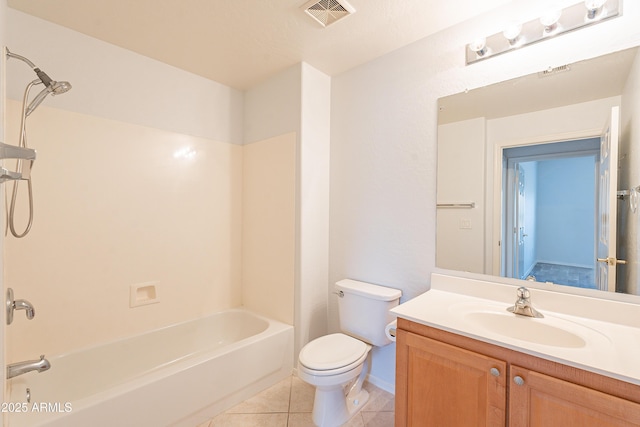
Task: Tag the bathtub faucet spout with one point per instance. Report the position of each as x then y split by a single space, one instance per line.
20 368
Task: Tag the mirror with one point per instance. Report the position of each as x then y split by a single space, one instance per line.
524 187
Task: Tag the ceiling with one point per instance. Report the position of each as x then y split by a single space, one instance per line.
242 42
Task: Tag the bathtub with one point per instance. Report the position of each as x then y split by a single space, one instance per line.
180 375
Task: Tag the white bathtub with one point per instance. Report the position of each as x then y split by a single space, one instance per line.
176 376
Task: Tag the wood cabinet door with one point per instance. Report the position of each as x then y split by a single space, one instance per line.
538 400
442 385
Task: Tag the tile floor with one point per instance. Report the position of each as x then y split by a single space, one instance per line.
564 275
289 404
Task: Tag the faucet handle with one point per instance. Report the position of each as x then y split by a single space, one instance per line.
12 304
9 306
523 293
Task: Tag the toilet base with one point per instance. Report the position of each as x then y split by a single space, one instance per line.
331 408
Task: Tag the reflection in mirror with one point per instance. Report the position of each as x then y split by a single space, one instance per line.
538 176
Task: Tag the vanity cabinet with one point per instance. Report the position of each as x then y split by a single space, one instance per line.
445 379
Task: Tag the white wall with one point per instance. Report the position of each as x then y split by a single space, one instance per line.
383 143
117 84
566 211
461 147
313 207
272 108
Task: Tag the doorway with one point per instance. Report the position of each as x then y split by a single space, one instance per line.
550 210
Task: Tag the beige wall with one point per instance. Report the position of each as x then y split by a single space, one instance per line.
268 217
114 208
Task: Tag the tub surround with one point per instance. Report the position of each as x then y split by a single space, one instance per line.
609 329
105 221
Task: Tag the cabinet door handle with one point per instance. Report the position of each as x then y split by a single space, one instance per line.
495 372
518 380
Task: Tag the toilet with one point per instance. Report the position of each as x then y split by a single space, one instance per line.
337 364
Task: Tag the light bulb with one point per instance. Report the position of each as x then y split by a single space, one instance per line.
550 20
512 33
594 7
479 46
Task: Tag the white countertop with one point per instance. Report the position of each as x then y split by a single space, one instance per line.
609 342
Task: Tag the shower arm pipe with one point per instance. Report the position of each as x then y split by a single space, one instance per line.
41 74
21 58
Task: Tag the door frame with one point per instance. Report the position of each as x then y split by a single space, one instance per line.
499 234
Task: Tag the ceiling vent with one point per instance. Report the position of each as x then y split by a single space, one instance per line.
326 12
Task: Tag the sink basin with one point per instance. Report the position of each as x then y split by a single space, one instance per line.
539 331
553 331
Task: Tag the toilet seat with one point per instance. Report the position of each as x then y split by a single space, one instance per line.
333 354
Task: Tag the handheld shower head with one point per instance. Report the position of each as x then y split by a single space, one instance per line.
56 88
51 86
60 87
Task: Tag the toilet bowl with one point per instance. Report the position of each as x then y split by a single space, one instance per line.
332 363
337 364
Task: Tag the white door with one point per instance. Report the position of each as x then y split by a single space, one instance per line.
514 214
519 223
607 204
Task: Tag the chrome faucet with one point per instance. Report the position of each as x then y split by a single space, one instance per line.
523 305
20 368
20 304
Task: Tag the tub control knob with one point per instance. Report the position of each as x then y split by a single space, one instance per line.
12 304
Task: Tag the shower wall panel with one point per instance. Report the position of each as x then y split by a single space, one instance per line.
117 205
269 226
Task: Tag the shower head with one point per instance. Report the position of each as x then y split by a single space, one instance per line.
51 86
60 87
56 88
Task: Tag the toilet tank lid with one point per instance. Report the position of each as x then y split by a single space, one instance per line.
377 292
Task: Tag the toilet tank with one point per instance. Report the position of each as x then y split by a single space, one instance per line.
363 309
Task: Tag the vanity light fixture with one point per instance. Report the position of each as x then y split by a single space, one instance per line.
512 33
549 25
550 21
594 8
479 46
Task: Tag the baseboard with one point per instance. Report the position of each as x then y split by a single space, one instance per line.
384 385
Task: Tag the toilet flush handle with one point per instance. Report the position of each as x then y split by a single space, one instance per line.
340 294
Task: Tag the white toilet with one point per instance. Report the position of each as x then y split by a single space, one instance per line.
337 364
